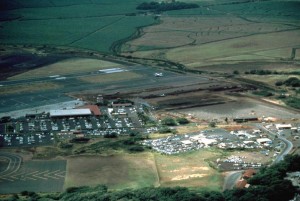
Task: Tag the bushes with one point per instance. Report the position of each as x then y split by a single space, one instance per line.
111 135
293 102
159 7
168 122
279 83
136 148
263 93
292 81
182 121
165 130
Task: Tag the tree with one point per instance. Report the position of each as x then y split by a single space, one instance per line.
165 129
212 124
182 120
168 121
279 83
236 72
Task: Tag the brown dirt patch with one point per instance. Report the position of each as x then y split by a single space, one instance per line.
189 169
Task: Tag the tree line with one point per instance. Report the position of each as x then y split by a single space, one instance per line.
160 7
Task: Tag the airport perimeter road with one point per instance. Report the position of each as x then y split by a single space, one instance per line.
231 179
287 148
14 164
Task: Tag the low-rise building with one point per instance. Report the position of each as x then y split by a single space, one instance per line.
283 126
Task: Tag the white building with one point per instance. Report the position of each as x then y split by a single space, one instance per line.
71 112
283 126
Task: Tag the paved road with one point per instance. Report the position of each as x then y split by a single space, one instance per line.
231 179
37 176
14 164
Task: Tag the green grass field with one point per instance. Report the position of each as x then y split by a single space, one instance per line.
115 171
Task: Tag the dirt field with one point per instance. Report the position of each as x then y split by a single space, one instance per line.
70 66
103 78
241 108
189 169
117 171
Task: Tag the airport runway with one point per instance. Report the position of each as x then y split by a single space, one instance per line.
71 84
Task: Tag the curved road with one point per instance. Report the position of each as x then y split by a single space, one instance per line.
288 145
231 179
13 166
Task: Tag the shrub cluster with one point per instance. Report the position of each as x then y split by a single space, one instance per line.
159 7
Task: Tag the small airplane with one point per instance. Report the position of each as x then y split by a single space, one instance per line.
158 74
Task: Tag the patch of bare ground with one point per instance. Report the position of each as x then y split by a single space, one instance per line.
189 169
242 107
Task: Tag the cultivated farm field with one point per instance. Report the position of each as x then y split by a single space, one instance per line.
222 33
94 25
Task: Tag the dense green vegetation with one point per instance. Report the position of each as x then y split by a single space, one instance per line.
263 93
162 6
168 121
182 121
269 72
112 142
269 183
293 102
292 81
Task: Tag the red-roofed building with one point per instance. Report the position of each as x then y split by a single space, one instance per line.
241 183
94 109
249 173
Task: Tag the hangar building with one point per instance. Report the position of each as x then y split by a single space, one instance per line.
70 113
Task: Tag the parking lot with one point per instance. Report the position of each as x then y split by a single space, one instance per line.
41 129
243 139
